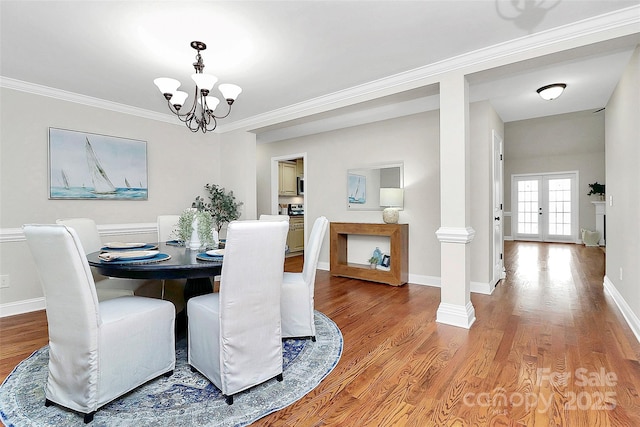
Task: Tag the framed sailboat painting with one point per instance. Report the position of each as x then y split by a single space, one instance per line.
96 167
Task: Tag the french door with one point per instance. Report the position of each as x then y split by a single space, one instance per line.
545 207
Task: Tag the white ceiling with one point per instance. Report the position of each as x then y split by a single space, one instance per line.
288 54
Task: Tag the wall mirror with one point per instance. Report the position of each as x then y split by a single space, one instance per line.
363 185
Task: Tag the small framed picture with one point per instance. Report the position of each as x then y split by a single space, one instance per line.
386 260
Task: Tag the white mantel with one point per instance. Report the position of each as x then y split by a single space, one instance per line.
600 213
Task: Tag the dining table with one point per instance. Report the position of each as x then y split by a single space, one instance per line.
172 262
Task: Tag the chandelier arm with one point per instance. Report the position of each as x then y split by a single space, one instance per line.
228 112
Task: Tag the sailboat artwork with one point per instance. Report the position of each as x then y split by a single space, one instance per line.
87 166
357 188
101 182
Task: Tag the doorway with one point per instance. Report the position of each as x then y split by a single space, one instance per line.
545 207
498 210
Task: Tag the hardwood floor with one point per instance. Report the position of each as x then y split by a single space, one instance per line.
549 348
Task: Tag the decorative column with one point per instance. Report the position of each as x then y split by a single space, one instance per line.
600 214
454 233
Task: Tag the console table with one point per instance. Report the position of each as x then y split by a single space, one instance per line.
399 243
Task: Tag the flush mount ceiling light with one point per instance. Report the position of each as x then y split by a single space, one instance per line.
200 116
552 91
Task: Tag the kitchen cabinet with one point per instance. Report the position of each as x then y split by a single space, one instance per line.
295 238
300 167
287 179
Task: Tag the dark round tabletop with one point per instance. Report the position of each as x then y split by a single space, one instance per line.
183 264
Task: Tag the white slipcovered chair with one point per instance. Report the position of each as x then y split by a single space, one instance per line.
297 300
266 217
98 351
166 225
234 335
107 287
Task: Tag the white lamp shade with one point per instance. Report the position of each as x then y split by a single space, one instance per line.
167 85
179 97
230 91
204 81
392 197
551 91
211 101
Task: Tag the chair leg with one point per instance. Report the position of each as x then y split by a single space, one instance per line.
229 400
313 338
89 417
47 403
279 378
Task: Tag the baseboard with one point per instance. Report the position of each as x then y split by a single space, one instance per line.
21 307
456 315
627 313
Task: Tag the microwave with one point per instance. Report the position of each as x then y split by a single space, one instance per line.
300 186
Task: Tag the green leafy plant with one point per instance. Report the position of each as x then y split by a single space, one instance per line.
184 229
596 188
222 205
373 260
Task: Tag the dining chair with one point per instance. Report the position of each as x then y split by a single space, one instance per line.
166 225
297 300
266 217
98 351
234 335
107 287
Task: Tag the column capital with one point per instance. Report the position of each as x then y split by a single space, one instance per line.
455 234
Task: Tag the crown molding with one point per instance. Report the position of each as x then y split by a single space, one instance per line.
600 28
89 101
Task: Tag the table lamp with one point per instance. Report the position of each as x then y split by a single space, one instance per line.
391 199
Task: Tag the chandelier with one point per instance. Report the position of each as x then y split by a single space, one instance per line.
200 116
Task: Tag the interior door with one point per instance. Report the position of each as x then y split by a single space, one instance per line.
498 197
546 207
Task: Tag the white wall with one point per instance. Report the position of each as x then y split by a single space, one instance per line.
180 163
565 142
623 177
412 139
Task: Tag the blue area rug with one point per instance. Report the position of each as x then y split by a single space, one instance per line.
184 399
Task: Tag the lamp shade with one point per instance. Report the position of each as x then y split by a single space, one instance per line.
552 91
204 81
392 197
230 91
167 85
179 97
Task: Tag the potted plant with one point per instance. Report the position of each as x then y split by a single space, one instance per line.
195 228
222 205
596 188
373 262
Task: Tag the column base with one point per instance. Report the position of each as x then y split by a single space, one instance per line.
456 315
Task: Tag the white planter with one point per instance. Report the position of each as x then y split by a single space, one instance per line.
194 242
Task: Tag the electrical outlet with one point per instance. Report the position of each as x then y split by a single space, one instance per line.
610 200
4 281
620 273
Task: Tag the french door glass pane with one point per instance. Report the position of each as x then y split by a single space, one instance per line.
528 207
559 207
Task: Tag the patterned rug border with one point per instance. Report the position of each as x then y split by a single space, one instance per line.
185 398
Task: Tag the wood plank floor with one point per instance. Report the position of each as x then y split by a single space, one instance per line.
549 348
